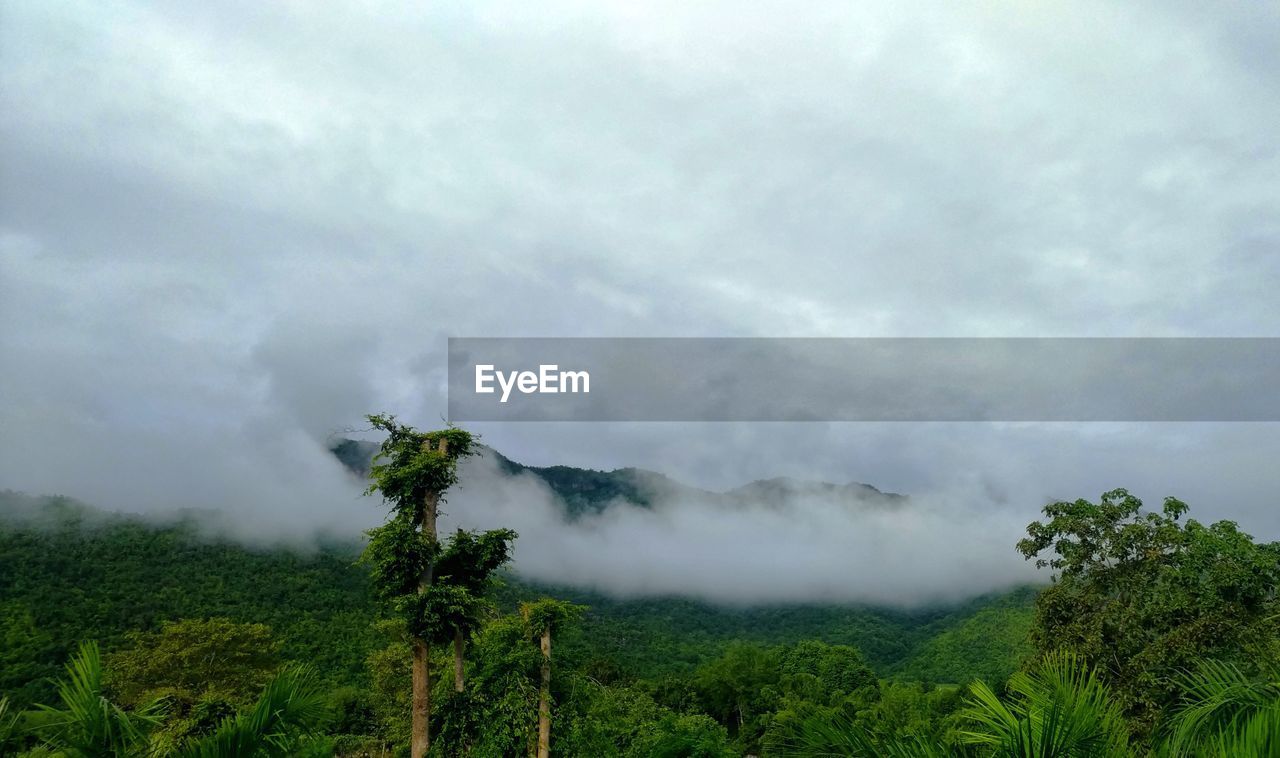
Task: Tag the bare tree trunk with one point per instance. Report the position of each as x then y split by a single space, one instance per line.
544 698
420 741
429 508
458 643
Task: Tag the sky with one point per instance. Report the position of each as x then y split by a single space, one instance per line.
228 231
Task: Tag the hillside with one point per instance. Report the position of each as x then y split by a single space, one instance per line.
70 572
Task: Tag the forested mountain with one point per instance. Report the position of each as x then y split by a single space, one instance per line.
587 491
1159 635
70 572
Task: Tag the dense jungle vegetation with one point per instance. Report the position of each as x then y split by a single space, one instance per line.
123 636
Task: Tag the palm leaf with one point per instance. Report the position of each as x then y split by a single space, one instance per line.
1062 710
289 708
834 735
87 724
1225 712
8 727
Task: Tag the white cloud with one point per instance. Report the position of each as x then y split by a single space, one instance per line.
228 230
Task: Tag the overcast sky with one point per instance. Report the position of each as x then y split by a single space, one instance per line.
229 230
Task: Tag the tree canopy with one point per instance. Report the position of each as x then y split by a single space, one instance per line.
1145 596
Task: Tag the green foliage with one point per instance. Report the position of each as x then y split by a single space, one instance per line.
549 614
832 704
463 577
462 574
1225 712
85 723
410 464
608 720
398 555
81 574
683 735
75 574
833 669
1061 709
191 658
9 727
280 724
438 591
390 683
987 644
651 638
592 719
827 734
1143 596
740 688
651 677
903 711
470 558
28 654
499 716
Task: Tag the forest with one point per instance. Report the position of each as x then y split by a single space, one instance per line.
125 636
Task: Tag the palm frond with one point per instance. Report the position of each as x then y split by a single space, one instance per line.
1062 709
8 726
87 723
1257 737
1221 706
834 735
289 708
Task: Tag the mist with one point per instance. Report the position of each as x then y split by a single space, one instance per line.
220 246
800 550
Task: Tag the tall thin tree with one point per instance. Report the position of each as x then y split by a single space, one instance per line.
543 617
412 471
463 575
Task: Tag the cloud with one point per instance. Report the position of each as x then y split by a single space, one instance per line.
802 548
228 230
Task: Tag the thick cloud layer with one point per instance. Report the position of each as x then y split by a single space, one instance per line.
800 549
227 231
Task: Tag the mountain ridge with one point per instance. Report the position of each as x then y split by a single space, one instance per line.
586 491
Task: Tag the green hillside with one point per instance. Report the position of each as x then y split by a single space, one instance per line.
112 574
976 645
204 624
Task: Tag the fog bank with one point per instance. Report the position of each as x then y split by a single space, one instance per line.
804 548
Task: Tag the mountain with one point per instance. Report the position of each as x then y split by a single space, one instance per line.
355 455
781 490
588 491
69 572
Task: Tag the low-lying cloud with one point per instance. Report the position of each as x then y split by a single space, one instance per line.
227 232
740 550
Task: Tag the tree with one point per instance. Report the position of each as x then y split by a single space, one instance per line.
739 687
464 570
502 693
191 658
836 669
28 656
543 617
412 471
1143 596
